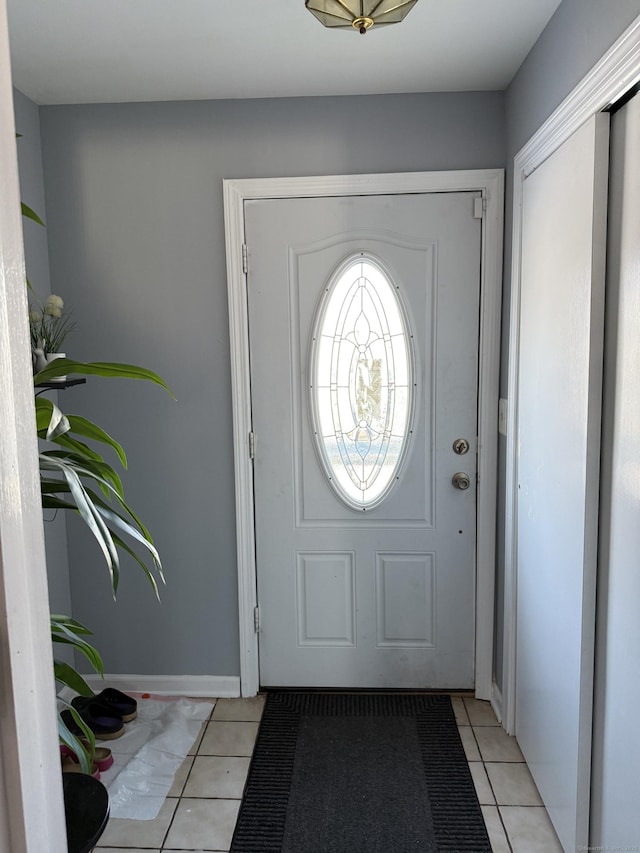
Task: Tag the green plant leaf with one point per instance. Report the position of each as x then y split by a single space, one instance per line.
48 461
78 447
50 422
31 214
121 544
97 469
77 627
52 487
66 674
87 429
147 542
63 633
85 748
133 515
116 518
130 530
62 366
49 502
89 514
90 507
85 757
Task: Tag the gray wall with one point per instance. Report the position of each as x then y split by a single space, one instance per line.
136 232
574 40
37 262
134 208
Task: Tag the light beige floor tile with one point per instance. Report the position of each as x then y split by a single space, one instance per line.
228 738
460 711
181 777
128 849
483 788
139 833
529 830
197 820
247 710
497 837
469 743
198 740
480 712
496 745
513 785
218 776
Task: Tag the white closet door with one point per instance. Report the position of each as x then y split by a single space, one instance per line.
560 388
615 814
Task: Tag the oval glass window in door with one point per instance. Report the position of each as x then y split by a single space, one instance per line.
361 382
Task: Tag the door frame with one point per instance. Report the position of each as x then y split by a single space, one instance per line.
616 72
32 814
490 183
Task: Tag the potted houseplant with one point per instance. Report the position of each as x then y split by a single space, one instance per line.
49 325
75 476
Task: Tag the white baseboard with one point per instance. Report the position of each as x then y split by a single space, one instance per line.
496 700
198 686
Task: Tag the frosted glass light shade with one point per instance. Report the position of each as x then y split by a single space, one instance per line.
360 15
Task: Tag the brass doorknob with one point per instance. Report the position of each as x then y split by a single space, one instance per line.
461 480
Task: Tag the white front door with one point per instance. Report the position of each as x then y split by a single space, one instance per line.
363 328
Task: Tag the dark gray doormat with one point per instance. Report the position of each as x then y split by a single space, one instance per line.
359 773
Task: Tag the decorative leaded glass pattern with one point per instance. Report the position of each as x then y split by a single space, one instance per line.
361 382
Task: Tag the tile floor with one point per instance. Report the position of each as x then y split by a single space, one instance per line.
516 820
200 811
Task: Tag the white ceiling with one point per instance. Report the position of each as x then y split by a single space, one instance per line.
97 51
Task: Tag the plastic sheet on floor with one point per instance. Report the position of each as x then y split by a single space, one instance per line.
149 753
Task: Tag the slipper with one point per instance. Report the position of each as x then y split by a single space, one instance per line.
119 702
105 724
102 757
71 766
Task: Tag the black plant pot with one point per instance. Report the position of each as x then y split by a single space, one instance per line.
86 806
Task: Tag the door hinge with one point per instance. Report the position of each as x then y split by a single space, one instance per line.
479 207
252 445
245 259
256 619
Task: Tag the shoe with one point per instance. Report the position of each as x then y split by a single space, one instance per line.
72 765
104 723
119 702
102 757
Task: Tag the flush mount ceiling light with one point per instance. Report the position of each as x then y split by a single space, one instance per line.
359 15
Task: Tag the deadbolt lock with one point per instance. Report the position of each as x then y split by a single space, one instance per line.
460 446
461 480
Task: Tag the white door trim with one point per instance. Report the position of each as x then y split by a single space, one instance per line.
612 76
31 800
490 182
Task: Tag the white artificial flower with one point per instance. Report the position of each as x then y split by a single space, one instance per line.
54 301
53 306
35 316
